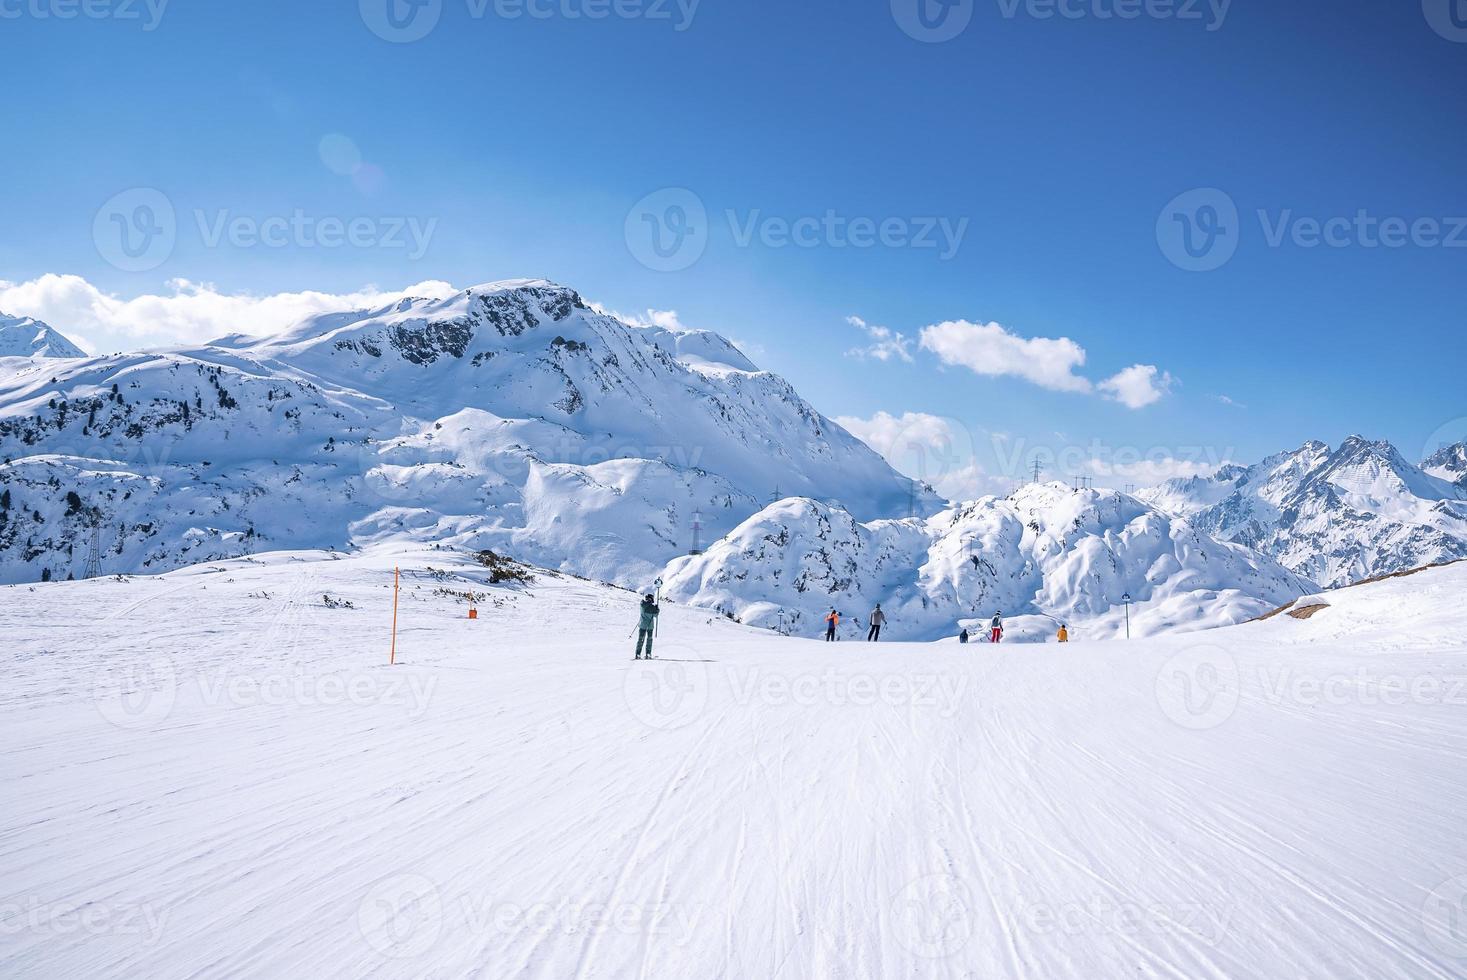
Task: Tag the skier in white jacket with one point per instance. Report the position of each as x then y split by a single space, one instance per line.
878 619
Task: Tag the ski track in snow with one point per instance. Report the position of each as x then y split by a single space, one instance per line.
1049 820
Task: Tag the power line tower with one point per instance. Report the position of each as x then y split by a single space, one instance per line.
1036 469
697 528
93 567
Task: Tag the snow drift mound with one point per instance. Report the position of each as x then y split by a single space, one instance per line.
1420 609
1045 555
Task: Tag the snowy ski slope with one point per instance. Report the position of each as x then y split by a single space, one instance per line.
518 799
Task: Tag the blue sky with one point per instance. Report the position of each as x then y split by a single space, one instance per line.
522 146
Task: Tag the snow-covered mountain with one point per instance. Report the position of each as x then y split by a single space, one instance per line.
1333 515
23 336
1044 555
509 416
1448 463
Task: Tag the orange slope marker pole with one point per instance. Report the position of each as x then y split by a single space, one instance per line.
392 657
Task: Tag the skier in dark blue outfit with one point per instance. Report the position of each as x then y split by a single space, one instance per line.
646 625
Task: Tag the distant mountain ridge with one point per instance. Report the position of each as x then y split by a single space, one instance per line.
23 336
1043 556
509 416
1332 515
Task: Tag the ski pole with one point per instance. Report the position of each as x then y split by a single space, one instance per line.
657 600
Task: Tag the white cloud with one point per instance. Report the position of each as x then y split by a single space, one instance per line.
890 435
990 350
1224 399
970 482
1150 470
190 313
931 448
886 343
1049 362
666 319
1138 385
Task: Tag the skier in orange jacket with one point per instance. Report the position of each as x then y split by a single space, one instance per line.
831 622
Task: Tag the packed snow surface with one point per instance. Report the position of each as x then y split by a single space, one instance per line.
215 772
